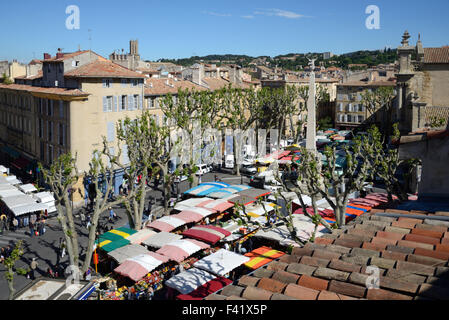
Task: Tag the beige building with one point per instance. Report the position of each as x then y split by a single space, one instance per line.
81 98
350 112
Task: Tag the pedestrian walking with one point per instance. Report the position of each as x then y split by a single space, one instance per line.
82 217
111 215
31 230
88 221
62 246
15 224
33 266
200 179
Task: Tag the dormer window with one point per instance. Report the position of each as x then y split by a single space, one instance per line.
107 83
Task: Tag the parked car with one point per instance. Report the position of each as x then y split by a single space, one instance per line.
203 169
248 169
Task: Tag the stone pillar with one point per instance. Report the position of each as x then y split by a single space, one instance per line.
311 112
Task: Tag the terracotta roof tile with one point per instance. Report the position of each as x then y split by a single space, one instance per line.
277 266
374 246
383 262
232 291
43 90
421 239
364 252
327 295
215 296
324 241
436 55
390 235
429 227
393 255
325 254
248 281
403 224
285 277
414 244
344 266
348 243
384 242
299 252
348 289
401 249
380 294
415 268
428 233
437 253
398 230
314 262
102 69
297 268
263 273
301 293
271 285
426 260
313 282
442 247
434 292
279 296
234 298
289 259
157 87
331 274
253 293
338 249
405 276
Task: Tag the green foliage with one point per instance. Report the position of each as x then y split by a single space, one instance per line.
436 122
6 79
325 124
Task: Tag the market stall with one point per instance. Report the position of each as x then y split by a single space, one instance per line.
198 210
141 235
206 233
167 223
126 252
139 266
221 262
206 289
261 257
190 216
218 205
181 249
254 193
189 280
203 189
115 239
161 239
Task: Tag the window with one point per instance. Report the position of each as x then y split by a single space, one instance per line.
107 83
134 82
61 109
361 119
124 83
110 131
107 104
123 102
50 108
136 102
340 107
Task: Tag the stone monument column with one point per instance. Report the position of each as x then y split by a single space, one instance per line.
311 111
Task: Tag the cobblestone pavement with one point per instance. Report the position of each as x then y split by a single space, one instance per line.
45 248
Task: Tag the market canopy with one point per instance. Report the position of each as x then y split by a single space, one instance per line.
167 223
10 193
180 250
3 169
189 280
202 190
18 200
141 235
209 234
190 216
218 205
192 202
206 289
139 266
108 245
254 193
242 200
201 211
222 194
161 239
27 188
221 262
44 197
28 208
115 239
127 252
261 257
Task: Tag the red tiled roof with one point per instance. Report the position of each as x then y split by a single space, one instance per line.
219 83
411 254
368 84
102 69
160 87
423 136
436 55
71 55
56 91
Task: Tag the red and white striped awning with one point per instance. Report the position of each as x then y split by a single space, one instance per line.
180 250
167 223
209 234
137 267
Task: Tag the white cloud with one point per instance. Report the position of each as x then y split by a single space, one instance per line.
248 17
211 13
280 13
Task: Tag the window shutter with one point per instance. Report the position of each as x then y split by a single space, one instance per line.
111 82
125 154
104 83
141 102
119 103
110 131
115 104
105 104
130 102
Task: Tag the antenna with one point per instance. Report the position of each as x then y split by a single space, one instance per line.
90 41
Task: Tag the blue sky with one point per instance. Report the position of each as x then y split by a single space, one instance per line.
182 28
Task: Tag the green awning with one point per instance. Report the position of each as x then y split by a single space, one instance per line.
111 246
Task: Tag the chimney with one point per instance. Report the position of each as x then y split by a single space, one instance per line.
47 56
59 55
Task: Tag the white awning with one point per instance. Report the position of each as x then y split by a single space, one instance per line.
19 200
3 169
189 280
27 188
10 193
221 262
28 208
44 197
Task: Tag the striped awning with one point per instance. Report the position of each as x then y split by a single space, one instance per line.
167 223
180 250
209 234
261 257
137 267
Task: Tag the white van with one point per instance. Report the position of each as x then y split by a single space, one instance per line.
202 169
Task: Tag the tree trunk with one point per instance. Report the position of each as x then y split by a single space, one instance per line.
12 291
235 148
